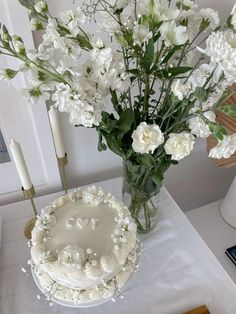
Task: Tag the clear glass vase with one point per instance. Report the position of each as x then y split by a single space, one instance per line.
141 195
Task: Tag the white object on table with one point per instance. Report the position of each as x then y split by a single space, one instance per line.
228 206
217 233
0 230
177 270
20 164
56 132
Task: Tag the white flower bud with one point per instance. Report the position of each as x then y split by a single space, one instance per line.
41 6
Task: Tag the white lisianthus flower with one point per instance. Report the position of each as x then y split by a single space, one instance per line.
199 127
7 74
141 34
73 20
18 44
224 148
189 4
41 6
179 89
221 48
83 104
36 24
159 9
33 94
211 16
179 145
52 37
146 138
172 34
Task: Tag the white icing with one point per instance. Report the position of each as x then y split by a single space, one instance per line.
93 272
70 222
108 263
88 238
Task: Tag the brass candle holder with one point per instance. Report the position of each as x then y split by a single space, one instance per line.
62 162
29 194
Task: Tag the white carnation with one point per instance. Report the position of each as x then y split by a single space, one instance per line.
179 145
199 127
224 148
146 138
221 48
180 89
211 16
172 34
141 34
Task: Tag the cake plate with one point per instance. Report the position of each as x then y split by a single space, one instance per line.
69 303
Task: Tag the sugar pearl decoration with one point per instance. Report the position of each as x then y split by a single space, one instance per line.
89 251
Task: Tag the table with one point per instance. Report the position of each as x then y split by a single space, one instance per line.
216 232
177 270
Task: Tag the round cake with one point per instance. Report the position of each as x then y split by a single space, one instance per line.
84 246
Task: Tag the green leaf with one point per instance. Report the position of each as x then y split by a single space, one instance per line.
115 101
170 72
10 73
135 72
170 53
147 60
83 42
229 110
200 94
157 178
101 145
218 131
113 146
146 160
179 70
126 120
28 4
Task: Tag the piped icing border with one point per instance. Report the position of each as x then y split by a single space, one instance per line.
108 289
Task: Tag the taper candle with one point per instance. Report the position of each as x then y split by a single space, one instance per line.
20 164
56 132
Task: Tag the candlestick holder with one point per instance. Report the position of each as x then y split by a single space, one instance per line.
29 194
62 162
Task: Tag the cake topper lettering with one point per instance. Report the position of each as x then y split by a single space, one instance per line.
82 222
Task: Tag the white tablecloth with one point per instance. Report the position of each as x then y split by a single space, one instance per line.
177 270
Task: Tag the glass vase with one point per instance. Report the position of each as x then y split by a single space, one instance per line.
141 194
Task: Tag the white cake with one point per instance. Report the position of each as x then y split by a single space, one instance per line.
84 246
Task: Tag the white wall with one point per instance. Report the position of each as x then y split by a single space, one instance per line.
195 181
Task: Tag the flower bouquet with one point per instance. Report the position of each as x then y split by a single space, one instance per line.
165 67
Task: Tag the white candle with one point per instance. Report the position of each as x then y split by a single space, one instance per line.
56 132
20 164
